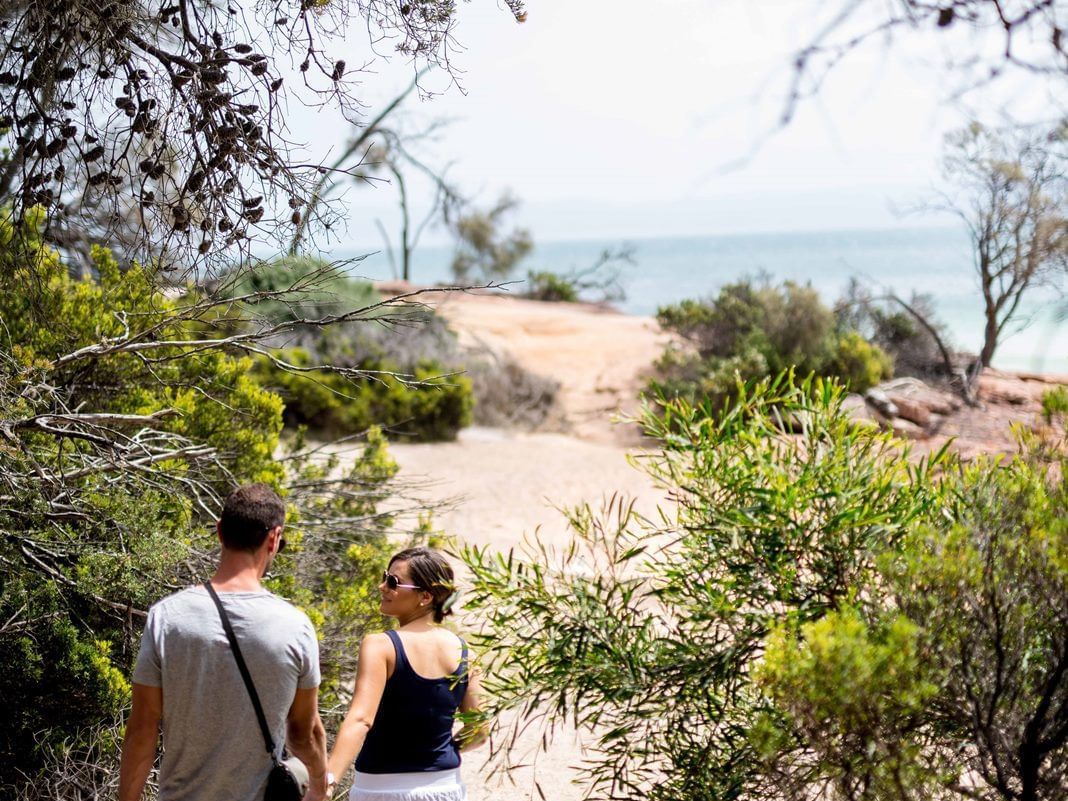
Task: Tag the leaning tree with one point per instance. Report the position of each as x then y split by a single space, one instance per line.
1010 188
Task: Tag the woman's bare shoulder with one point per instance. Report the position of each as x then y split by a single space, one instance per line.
377 642
449 636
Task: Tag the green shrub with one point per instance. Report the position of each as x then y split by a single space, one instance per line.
752 330
986 582
130 536
913 347
550 286
811 615
858 363
428 405
597 283
706 382
342 600
797 327
413 344
1055 403
104 514
313 288
852 692
715 328
655 652
116 538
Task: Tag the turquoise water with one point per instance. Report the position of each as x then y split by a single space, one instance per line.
934 261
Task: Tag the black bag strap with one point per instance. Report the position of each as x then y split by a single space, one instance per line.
243 668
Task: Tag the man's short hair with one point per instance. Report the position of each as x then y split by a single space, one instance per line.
248 515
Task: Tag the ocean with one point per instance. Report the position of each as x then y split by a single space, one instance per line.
933 261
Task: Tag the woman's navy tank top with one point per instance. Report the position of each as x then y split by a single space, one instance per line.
412 731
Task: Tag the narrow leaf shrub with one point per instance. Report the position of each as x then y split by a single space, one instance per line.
647 632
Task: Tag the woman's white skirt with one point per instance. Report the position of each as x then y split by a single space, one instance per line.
438 785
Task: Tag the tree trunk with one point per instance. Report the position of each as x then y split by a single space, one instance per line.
990 337
1030 761
327 176
405 238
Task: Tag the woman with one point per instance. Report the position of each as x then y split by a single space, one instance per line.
410 682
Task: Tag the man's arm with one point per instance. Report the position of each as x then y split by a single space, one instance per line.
306 740
475 730
139 744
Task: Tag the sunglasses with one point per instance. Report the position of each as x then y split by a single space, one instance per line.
393 582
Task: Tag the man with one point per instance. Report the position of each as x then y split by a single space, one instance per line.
187 679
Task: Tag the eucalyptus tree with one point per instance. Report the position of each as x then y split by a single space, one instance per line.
483 249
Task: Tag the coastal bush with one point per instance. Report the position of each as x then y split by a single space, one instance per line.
408 359
67 577
858 363
302 287
648 629
854 693
508 395
986 583
550 286
448 386
502 391
341 541
1055 403
814 616
915 347
122 429
597 283
978 597
443 386
752 330
427 404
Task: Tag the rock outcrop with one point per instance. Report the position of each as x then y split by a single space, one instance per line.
930 416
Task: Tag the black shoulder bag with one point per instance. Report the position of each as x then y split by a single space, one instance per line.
288 779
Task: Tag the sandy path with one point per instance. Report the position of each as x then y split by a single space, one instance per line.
494 487
504 486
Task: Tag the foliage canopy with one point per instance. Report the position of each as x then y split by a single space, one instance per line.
160 128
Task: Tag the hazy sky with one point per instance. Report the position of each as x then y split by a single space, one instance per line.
632 119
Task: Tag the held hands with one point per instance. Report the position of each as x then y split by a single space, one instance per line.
320 788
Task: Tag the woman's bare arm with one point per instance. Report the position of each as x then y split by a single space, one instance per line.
372 670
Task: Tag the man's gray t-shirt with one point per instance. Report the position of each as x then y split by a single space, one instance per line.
213 749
